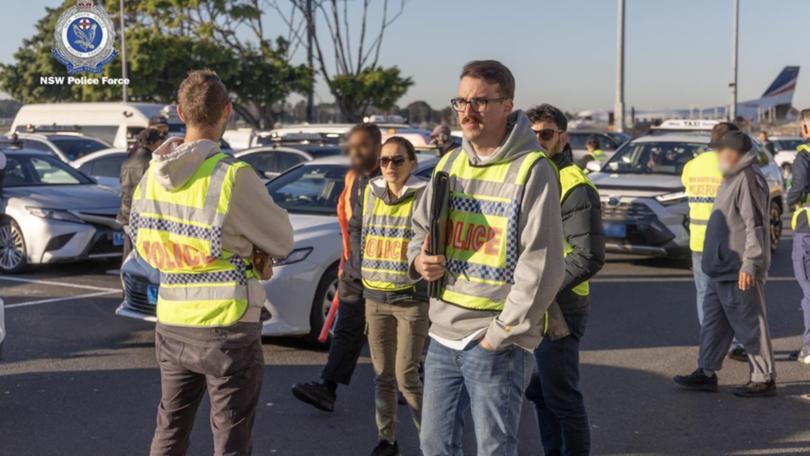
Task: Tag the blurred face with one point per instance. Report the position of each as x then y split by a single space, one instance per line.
728 158
363 152
805 129
487 124
550 137
395 165
762 136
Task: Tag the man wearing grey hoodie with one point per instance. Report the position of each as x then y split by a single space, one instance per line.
736 257
500 270
208 224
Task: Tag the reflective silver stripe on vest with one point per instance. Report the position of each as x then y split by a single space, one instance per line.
202 293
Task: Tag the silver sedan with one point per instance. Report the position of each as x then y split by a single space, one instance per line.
49 213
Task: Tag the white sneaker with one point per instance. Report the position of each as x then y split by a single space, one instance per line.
804 356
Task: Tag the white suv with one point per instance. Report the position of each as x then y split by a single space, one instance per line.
644 206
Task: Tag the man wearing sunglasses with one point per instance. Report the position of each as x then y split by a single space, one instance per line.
500 269
363 145
564 427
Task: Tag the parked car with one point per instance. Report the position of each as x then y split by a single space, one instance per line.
644 204
65 145
304 283
785 148
54 213
577 140
271 161
104 166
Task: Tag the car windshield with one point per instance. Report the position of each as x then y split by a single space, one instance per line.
318 150
75 148
653 157
309 189
23 170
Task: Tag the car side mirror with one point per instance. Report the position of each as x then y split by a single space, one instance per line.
593 166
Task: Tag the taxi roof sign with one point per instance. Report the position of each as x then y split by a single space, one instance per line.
688 124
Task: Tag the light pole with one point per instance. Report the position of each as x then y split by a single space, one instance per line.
732 113
618 108
123 54
311 93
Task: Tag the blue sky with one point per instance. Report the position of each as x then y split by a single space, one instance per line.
678 53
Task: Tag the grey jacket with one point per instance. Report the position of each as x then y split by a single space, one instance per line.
540 267
737 234
132 170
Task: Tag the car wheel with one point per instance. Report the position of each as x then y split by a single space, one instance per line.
321 303
787 174
775 216
12 247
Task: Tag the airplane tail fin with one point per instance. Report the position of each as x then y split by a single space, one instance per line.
785 83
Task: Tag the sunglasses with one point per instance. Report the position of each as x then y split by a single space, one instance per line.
547 133
396 161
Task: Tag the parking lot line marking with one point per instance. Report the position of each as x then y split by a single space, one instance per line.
630 279
65 298
57 284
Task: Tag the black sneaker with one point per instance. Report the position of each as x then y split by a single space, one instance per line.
316 394
697 381
756 389
738 354
386 448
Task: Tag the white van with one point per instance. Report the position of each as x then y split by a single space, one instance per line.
115 123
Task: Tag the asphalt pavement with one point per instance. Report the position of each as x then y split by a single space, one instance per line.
77 380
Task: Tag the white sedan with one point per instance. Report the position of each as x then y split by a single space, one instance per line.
104 166
304 283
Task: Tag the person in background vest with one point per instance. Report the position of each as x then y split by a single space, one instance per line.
561 414
798 197
208 334
701 177
737 257
132 171
363 143
592 145
762 136
396 308
500 271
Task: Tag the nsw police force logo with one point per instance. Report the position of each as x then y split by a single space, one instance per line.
84 38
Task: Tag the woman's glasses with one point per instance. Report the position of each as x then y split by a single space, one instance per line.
396 161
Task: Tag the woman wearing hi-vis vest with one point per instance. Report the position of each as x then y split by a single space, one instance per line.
396 307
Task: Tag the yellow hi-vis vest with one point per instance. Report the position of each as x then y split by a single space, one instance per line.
571 177
179 233
805 207
702 177
599 155
387 229
482 229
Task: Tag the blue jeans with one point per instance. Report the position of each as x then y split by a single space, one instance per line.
561 414
801 270
490 384
701 282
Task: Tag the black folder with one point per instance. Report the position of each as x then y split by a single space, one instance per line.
438 224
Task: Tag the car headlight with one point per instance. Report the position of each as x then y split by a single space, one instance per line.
672 198
294 257
54 214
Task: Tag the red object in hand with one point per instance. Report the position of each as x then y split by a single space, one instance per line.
330 320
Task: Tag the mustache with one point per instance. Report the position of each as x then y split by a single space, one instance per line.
470 119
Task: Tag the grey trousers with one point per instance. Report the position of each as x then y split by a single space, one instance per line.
730 312
233 378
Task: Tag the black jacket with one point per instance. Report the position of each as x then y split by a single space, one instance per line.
582 225
132 170
800 187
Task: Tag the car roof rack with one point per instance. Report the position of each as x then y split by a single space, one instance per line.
52 128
